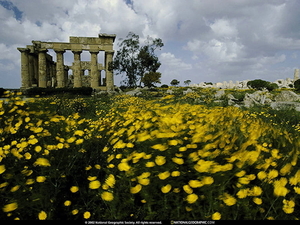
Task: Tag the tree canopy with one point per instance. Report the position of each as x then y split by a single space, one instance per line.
135 60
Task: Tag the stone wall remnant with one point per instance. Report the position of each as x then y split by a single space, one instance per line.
39 70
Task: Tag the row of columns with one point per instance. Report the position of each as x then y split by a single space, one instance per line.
61 79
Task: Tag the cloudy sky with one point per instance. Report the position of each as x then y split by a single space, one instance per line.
204 40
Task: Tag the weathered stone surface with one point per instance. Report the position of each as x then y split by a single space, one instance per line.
257 98
219 94
134 92
38 68
285 105
169 91
287 96
188 91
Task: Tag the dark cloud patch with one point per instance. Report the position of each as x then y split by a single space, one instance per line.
10 6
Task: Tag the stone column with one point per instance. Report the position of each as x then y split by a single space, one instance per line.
94 70
296 74
109 72
77 69
66 75
24 67
60 72
31 68
42 68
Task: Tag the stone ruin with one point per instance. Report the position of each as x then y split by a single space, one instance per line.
39 70
282 83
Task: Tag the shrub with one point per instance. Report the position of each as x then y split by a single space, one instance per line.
297 85
259 84
164 86
2 90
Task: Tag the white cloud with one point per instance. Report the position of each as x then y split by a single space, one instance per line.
215 39
168 59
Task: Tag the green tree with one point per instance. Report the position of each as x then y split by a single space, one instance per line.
135 60
187 82
174 82
151 78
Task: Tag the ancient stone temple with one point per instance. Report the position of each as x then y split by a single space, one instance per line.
39 70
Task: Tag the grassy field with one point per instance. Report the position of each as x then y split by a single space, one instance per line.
154 157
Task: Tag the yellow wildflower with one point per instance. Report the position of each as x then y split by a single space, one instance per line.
257 201
3 184
107 196
179 161
79 141
173 142
60 145
40 179
243 193
195 183
286 169
175 174
255 191
95 184
123 166
110 181
10 207
97 166
74 189
120 144
42 215
2 169
229 200
241 173
272 174
207 180
15 188
288 206
160 147
38 148
280 190
67 203
160 160
27 155
164 175
136 189
261 175
144 181
75 211
192 198
42 162
165 189
71 140
91 178
129 145
187 189
86 215
216 216
150 164
297 190
79 132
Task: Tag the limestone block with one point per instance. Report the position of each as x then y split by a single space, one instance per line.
285 106
296 74
287 96
169 91
134 92
219 94
257 98
188 91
